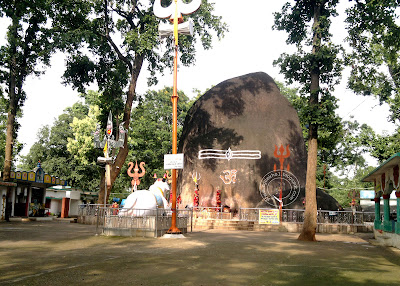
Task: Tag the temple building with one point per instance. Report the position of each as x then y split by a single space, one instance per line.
28 190
386 181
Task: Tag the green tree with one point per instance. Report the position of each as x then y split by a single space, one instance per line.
341 146
29 47
66 148
317 71
150 130
341 186
350 164
111 44
57 149
330 133
381 147
374 37
80 143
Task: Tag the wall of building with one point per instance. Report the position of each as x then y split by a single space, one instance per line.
56 197
3 193
55 206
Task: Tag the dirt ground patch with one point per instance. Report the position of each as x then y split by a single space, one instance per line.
59 253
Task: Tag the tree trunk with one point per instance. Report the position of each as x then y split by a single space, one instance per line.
100 198
310 214
12 112
10 131
12 108
123 152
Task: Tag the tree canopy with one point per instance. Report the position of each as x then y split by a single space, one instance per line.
373 35
111 41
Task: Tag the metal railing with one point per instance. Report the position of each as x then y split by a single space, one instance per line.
90 209
91 213
211 213
137 222
323 216
158 221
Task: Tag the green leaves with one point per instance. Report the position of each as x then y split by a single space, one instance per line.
317 70
29 46
374 59
66 148
126 32
150 135
328 60
80 144
80 70
295 20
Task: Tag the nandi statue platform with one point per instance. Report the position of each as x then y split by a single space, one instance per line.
146 202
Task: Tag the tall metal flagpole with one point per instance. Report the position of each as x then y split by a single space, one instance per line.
173 12
174 229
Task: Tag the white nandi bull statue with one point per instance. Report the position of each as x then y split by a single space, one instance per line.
141 203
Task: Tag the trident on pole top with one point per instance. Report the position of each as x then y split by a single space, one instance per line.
177 8
174 13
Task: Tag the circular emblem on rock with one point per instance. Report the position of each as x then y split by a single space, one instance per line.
275 181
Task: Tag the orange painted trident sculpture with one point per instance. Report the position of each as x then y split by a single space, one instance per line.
135 175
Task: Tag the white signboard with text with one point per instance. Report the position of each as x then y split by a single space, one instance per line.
270 216
173 161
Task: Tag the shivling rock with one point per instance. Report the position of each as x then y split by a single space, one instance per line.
242 137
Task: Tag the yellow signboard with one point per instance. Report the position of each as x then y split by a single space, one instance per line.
31 176
39 177
268 216
47 179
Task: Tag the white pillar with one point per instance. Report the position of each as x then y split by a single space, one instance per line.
13 200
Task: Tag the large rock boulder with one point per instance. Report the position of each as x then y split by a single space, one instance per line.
236 136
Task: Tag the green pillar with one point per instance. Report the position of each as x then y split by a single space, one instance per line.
397 225
377 221
387 224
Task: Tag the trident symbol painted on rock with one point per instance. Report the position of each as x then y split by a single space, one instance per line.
282 156
196 177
